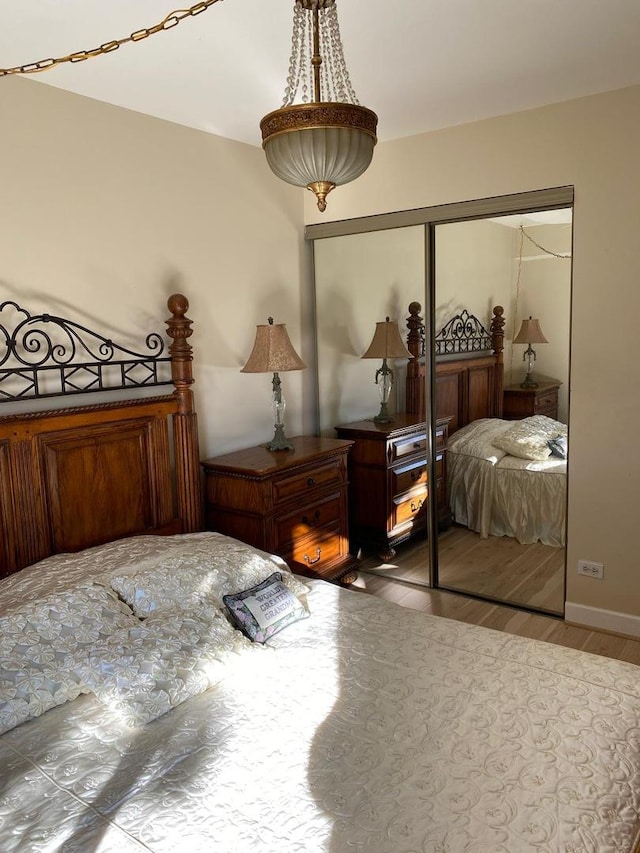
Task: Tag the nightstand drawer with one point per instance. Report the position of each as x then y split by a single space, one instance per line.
546 401
410 507
414 474
321 549
408 446
305 520
408 477
299 485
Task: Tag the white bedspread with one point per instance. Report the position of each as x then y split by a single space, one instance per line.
500 495
366 727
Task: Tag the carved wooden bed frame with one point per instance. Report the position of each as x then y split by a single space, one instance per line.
469 367
76 477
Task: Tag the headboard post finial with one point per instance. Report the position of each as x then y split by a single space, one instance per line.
497 329
415 382
179 330
185 425
497 342
415 324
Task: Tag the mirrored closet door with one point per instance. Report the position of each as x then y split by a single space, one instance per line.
507 475
436 274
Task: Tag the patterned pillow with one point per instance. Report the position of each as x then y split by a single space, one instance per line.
41 643
559 446
264 609
200 575
141 673
529 438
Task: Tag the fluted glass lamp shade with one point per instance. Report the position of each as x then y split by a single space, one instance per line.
386 343
273 352
326 138
530 333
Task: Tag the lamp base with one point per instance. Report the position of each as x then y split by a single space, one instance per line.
529 382
383 416
279 440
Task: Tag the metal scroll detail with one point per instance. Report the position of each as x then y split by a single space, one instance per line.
48 356
464 333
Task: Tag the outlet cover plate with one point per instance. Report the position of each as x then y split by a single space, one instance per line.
590 569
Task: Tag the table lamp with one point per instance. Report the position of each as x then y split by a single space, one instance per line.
386 343
530 333
273 352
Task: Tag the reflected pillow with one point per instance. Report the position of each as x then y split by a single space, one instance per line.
265 609
42 642
529 438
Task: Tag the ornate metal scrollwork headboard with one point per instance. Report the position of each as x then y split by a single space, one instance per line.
47 356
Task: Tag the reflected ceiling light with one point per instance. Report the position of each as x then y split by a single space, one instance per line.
326 139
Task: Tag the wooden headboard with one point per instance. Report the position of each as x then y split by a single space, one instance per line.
469 367
76 477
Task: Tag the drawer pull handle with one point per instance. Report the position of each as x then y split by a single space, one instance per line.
311 481
417 508
311 522
415 475
311 560
417 444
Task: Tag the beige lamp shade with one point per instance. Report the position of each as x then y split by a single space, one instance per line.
387 342
272 351
530 333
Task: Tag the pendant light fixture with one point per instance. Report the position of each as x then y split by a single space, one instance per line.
325 138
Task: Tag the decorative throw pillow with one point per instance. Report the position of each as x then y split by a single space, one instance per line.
41 643
141 673
264 609
529 438
559 446
204 574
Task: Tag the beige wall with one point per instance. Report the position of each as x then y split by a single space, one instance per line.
482 263
544 291
590 143
105 212
360 279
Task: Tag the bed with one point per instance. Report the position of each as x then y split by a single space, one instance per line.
504 478
145 706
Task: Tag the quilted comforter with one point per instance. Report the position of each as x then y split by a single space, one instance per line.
364 727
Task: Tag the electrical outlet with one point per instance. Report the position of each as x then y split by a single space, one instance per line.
590 569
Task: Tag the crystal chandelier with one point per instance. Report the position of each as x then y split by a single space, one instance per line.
321 137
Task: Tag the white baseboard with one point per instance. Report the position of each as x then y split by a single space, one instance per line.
603 620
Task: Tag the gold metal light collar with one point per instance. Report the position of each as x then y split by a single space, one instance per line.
318 115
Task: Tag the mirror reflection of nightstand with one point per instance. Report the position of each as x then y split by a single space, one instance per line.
523 402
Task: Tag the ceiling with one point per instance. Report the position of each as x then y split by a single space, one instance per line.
420 64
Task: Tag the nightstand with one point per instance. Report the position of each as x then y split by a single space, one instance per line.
388 481
523 402
289 502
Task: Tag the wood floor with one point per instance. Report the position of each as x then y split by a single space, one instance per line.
466 609
530 576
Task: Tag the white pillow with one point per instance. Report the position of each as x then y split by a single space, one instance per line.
205 571
41 643
141 673
529 438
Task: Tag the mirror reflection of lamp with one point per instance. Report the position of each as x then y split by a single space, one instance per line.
386 343
530 333
273 352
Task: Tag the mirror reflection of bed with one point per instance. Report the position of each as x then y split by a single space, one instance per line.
506 478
